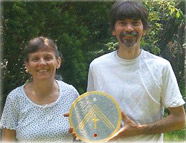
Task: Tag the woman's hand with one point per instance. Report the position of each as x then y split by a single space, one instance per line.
70 130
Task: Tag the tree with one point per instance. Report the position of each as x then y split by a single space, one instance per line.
81 31
66 23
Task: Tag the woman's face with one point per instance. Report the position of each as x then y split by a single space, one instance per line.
42 64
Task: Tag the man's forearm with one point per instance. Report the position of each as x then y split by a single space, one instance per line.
174 121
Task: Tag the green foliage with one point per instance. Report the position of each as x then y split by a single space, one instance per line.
81 31
78 28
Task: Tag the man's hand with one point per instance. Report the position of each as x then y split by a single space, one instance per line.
174 121
129 129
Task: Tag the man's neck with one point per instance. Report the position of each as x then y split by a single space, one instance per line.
128 53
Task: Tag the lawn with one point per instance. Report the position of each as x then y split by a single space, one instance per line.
175 136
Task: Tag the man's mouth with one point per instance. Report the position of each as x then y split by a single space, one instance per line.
129 34
129 38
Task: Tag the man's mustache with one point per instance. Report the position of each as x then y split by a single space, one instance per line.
125 33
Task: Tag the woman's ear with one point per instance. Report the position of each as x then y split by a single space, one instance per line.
58 62
27 67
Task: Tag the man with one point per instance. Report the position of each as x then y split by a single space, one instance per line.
143 84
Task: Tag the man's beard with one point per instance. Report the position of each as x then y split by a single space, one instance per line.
129 42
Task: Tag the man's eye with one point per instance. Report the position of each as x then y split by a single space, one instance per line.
122 23
136 23
48 58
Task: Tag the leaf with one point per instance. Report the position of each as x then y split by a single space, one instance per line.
172 10
177 14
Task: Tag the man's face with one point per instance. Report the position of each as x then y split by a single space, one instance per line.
129 32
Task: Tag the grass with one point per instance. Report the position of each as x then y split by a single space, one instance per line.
175 136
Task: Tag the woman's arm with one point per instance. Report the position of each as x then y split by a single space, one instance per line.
8 135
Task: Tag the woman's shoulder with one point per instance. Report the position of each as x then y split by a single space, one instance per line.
17 92
16 96
65 86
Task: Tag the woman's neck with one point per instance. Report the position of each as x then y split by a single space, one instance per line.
44 88
42 92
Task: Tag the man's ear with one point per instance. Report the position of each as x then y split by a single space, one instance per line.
144 32
113 33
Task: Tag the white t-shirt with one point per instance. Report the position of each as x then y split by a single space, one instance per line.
34 122
143 87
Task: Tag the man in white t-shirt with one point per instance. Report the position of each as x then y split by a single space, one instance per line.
143 84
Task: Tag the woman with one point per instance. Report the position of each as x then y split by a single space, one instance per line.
34 111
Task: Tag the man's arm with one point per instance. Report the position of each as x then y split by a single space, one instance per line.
90 83
174 121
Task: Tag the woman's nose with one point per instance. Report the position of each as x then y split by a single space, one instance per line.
42 61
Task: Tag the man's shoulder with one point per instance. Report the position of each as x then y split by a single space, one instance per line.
106 58
154 59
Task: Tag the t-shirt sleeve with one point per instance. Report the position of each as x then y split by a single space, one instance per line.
171 96
90 84
75 93
9 118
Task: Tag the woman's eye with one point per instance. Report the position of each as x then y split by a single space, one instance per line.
35 59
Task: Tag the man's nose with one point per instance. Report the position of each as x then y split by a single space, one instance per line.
129 27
